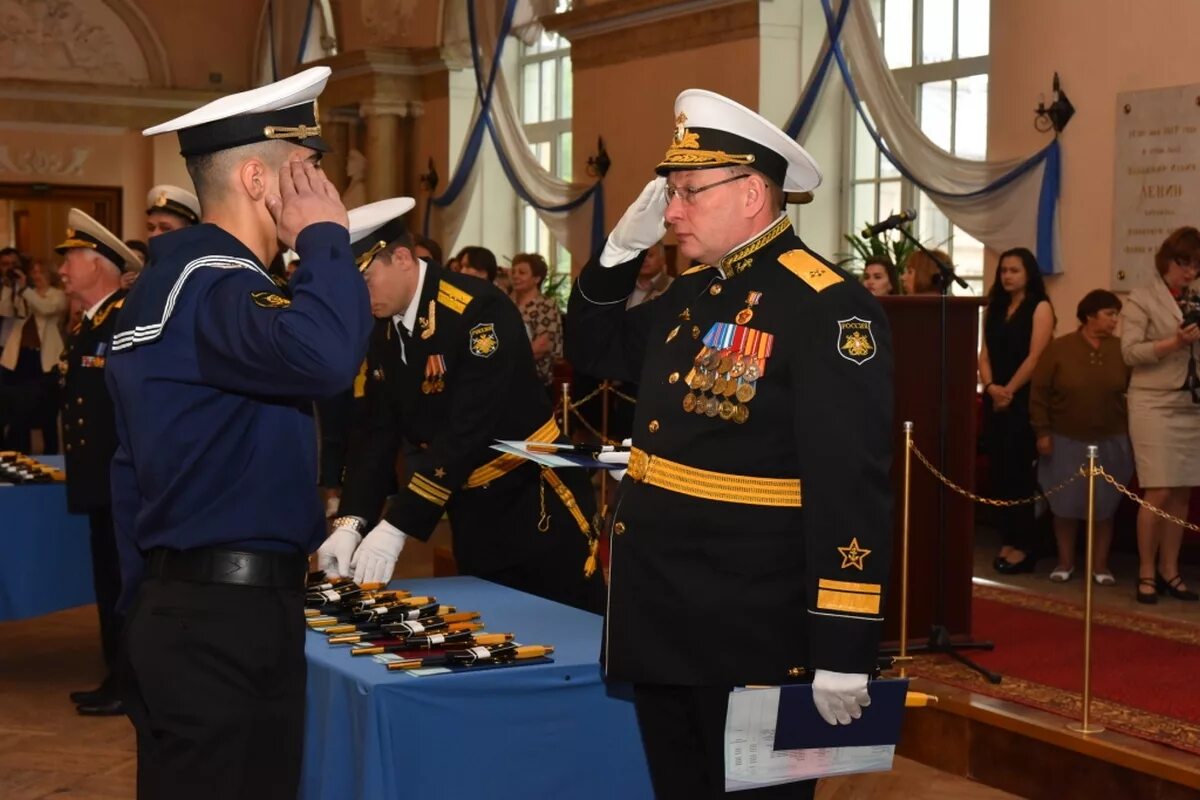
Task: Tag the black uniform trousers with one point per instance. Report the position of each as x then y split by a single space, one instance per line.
106 579
683 734
546 563
216 690
1011 448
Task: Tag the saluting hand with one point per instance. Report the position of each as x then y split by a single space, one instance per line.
305 198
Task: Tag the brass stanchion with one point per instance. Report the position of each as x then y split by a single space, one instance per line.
1086 726
566 387
903 654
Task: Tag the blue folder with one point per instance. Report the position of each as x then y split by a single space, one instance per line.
798 726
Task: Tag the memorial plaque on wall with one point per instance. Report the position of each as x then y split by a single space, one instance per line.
1157 183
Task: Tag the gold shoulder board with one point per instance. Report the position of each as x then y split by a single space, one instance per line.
808 268
453 297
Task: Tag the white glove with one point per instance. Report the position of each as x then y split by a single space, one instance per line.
641 226
839 696
616 457
333 557
375 559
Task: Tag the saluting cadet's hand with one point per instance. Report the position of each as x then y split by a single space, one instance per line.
305 198
641 226
375 559
840 696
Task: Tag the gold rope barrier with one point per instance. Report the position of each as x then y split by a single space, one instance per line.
1086 727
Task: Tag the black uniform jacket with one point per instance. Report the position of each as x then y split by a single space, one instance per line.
468 379
717 576
89 429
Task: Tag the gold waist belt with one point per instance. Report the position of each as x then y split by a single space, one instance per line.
502 465
710 485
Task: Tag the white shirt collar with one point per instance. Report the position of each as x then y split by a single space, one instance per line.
91 312
409 318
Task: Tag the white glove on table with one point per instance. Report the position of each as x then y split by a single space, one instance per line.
641 226
334 556
375 559
839 696
617 457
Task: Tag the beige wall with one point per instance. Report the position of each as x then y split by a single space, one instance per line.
1099 48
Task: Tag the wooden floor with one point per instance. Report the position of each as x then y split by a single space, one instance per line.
48 751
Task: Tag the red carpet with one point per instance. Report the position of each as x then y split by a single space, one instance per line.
1143 669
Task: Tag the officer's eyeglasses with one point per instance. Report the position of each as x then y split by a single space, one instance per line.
688 193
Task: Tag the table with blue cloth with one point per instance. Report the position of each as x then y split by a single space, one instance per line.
545 730
47 564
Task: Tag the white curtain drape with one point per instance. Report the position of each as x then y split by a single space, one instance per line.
1004 218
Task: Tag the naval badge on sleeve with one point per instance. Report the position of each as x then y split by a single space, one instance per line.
855 341
484 341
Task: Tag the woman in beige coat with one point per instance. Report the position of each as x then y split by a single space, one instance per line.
1164 417
30 361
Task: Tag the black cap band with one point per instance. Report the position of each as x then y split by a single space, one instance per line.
297 124
712 148
178 209
378 239
80 240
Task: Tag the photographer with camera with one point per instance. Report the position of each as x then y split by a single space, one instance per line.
1161 323
12 308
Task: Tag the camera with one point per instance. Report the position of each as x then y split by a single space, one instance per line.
1189 304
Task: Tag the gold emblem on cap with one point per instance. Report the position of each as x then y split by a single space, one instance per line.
682 137
161 200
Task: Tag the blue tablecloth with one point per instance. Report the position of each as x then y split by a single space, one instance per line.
47 562
528 732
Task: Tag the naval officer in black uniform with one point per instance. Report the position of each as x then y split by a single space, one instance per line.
751 537
450 371
213 371
93 262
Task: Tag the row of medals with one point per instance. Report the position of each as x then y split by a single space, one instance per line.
728 377
433 385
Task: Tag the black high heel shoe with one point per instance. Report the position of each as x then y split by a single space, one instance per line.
1006 567
1142 597
1171 587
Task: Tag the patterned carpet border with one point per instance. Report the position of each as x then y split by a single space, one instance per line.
1169 731
1174 630
1113 716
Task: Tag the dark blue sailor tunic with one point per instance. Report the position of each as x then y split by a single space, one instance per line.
213 371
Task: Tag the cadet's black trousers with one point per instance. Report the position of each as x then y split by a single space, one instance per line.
106 578
683 733
216 690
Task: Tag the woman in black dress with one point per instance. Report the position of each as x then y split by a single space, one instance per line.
1017 326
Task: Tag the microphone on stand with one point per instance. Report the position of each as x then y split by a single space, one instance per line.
891 223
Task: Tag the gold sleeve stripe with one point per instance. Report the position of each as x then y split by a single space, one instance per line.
830 600
452 297
849 586
808 268
430 486
418 490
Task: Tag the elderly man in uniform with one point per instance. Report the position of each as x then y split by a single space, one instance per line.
94 261
757 499
449 372
213 372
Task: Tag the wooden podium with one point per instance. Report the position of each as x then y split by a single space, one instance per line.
916 334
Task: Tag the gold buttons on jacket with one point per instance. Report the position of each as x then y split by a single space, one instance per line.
79 421
68 448
78 401
82 442
619 528
715 289
673 377
653 426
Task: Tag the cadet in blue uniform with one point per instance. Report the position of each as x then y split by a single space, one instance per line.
94 261
213 372
756 507
450 371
